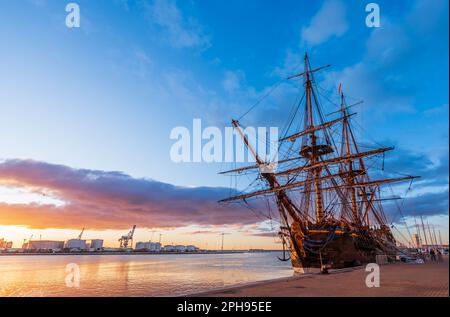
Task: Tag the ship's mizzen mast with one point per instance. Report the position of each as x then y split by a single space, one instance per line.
330 175
345 150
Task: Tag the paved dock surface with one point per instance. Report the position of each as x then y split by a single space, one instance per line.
400 279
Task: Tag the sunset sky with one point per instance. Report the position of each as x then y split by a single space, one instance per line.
86 113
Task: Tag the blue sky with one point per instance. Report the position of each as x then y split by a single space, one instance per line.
106 96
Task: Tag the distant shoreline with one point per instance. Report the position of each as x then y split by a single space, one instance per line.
135 253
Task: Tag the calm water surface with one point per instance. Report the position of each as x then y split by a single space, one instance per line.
135 275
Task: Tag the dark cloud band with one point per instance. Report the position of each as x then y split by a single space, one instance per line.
108 200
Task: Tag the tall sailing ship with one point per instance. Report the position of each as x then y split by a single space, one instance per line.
330 210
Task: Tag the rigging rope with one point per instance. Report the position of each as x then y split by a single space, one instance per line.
262 98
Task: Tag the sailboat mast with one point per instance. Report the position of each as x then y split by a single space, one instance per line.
429 233
435 239
420 246
425 234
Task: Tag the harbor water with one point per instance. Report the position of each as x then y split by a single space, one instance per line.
134 275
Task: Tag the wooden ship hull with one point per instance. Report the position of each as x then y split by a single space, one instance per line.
337 248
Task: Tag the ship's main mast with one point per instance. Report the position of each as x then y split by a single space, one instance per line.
314 153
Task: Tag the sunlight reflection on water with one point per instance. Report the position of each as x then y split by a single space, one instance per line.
135 275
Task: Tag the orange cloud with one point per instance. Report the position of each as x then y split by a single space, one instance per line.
111 200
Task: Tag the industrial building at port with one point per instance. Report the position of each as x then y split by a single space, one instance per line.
70 245
5 244
92 245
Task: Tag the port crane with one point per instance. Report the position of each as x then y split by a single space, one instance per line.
81 233
127 239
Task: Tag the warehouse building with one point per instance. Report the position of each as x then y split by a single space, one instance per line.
148 246
96 245
49 245
180 248
84 245
75 244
